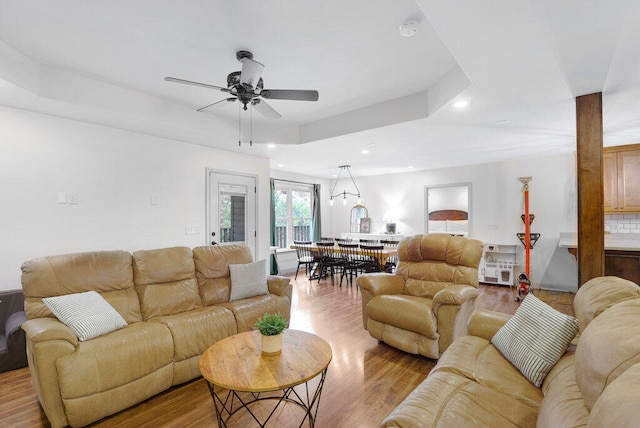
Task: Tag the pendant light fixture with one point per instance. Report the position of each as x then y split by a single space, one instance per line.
344 193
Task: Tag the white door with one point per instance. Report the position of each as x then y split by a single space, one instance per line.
231 209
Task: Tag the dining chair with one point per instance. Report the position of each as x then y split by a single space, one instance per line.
327 239
343 240
368 241
392 261
330 261
352 261
305 256
372 255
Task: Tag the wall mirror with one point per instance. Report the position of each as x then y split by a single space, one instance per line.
448 209
358 212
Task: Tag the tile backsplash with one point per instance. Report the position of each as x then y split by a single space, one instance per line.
622 223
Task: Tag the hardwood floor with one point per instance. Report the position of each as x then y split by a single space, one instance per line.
365 380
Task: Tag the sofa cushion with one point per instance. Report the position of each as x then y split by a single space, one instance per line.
212 270
591 301
448 400
107 272
247 311
409 313
618 404
476 359
609 345
165 281
248 280
87 314
194 331
95 366
563 404
535 338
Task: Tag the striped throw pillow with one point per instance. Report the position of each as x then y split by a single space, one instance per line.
535 338
87 314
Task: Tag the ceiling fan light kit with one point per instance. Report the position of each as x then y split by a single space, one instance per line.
247 87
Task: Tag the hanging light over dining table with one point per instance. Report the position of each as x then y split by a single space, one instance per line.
344 193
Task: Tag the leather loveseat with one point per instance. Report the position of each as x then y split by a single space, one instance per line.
175 302
595 383
427 303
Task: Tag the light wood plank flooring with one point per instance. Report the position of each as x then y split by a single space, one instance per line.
365 381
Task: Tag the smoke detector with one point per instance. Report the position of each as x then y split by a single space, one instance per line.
409 28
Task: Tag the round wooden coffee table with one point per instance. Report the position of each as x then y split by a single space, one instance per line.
238 374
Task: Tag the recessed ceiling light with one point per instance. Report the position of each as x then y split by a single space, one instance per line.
410 167
409 28
271 145
460 104
280 165
502 122
365 152
371 144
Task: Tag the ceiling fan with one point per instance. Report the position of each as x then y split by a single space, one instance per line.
246 86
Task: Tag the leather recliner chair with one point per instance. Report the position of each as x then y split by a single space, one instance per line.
427 303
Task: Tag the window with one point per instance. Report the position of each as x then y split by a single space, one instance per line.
293 212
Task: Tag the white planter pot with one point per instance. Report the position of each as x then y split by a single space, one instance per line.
272 345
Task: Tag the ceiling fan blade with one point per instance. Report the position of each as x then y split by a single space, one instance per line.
251 72
226 100
290 94
265 109
189 82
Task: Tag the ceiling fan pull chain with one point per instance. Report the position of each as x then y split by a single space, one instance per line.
239 125
251 126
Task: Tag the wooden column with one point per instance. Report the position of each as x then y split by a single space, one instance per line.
590 187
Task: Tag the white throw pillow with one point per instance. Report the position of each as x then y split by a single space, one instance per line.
87 314
535 338
248 280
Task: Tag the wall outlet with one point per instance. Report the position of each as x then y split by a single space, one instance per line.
72 198
191 230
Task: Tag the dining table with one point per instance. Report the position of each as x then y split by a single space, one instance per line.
385 253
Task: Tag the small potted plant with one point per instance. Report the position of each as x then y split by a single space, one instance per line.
271 327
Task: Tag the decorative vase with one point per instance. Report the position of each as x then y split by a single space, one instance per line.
272 345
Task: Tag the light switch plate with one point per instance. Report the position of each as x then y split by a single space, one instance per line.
62 197
72 198
191 230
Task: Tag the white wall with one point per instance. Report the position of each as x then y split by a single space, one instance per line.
115 173
496 206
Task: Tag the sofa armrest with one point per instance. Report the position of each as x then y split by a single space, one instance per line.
376 284
381 283
278 284
44 329
485 323
14 323
456 294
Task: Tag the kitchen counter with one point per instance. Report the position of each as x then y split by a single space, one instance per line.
612 241
621 253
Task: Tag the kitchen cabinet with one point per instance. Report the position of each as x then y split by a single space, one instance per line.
621 165
621 263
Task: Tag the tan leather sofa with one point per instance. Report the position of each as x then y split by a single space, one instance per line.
427 303
596 383
176 303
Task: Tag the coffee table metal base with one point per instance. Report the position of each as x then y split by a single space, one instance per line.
230 403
